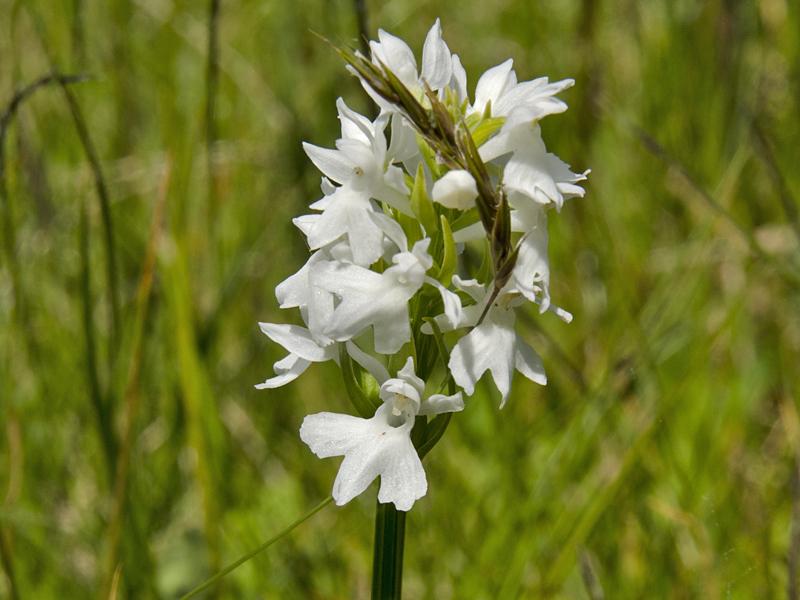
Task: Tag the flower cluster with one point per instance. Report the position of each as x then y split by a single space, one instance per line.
423 249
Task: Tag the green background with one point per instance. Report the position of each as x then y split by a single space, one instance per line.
660 461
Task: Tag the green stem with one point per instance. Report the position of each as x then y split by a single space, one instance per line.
387 566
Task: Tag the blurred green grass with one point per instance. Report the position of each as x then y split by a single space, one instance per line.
658 462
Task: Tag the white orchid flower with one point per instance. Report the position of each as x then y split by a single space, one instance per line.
493 345
346 214
531 274
531 170
380 300
379 446
360 160
367 298
533 99
439 66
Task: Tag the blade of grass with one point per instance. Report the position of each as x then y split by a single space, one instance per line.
99 403
212 82
6 556
784 195
20 318
204 428
9 234
101 187
240 561
131 397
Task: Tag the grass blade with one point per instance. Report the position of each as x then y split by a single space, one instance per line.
240 561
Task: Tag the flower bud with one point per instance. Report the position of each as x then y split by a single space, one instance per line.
456 189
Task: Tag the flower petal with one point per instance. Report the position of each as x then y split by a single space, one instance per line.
392 331
493 84
348 215
297 340
403 479
403 143
395 54
368 362
439 403
459 80
536 96
437 67
488 347
408 375
333 434
452 304
332 163
354 126
287 369
531 274
529 363
376 448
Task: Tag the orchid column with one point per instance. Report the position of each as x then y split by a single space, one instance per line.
392 291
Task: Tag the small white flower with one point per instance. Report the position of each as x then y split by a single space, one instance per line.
346 214
374 299
379 446
393 52
440 69
493 345
360 159
456 189
531 170
532 100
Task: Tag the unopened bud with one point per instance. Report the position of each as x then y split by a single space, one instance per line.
456 189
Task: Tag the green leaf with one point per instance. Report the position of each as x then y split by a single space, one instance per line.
411 227
448 266
421 204
429 157
361 386
486 129
465 219
434 433
472 120
485 270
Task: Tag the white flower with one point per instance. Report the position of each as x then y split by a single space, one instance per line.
303 350
532 100
379 446
360 159
531 274
456 189
440 69
493 345
346 214
374 299
437 69
531 170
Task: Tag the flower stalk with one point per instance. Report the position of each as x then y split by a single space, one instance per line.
387 563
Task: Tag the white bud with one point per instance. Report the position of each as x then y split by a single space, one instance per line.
456 189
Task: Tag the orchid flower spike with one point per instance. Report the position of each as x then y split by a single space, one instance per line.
384 268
